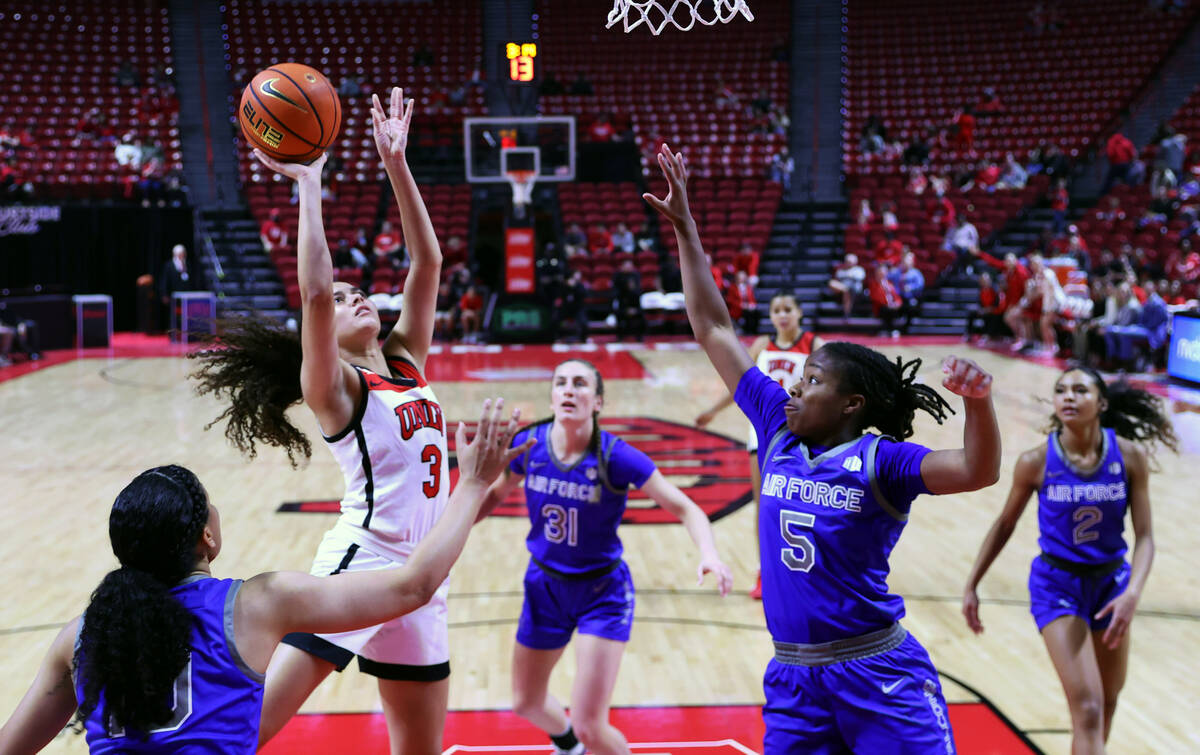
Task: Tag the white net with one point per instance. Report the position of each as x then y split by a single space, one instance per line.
682 14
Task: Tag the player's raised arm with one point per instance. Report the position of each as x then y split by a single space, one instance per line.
325 380
706 309
50 702
977 464
414 332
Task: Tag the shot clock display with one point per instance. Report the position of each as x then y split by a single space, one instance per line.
521 58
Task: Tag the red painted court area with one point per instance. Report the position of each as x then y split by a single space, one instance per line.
700 730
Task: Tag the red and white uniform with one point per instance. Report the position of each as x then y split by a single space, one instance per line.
394 461
783 365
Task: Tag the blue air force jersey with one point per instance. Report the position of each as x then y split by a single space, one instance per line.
218 698
828 520
1081 514
575 510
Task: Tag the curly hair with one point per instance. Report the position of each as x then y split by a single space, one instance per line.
255 363
1133 413
890 389
136 636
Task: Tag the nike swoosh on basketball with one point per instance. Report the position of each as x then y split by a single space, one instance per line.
268 88
887 688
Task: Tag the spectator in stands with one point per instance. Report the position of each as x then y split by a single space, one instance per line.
988 176
743 308
351 85
1112 213
962 129
781 167
1123 341
575 241
887 216
778 121
889 249
551 86
1172 148
599 240
847 282
126 76
963 240
470 307
455 250
1121 154
917 153
581 85
627 302
423 57
622 239
717 273
1121 309
725 96
864 215
1038 307
443 316
746 261
987 318
670 279
1060 200
872 136
570 303
389 246
646 239
943 214
908 280
128 152
17 334
1014 176
602 129
348 256
1050 160
761 104
14 182
989 103
886 301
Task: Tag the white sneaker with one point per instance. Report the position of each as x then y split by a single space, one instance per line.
578 749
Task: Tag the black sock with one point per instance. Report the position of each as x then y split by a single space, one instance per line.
566 740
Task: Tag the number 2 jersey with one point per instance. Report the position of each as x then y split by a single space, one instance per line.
393 459
1081 514
217 697
828 520
574 510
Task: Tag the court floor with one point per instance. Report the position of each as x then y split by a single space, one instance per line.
78 429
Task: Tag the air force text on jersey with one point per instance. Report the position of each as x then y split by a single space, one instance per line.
813 491
572 491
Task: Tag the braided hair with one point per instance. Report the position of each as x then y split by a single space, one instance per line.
255 363
1132 413
890 389
594 441
136 636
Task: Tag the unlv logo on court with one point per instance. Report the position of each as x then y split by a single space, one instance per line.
711 468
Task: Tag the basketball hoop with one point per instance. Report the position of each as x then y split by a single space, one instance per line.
656 15
522 182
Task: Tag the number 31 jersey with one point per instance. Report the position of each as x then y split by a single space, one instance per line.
393 458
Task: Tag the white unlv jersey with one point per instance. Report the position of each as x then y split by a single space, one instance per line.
393 459
786 366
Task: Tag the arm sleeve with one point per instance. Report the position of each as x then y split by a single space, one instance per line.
762 400
628 466
898 469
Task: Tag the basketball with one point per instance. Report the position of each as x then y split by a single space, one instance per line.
291 112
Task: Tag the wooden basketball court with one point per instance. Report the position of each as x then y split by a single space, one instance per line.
78 430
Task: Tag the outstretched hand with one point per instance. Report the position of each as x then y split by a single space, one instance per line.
674 206
717 567
966 378
1122 609
970 610
488 454
294 171
391 128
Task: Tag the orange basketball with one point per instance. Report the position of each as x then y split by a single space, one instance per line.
291 112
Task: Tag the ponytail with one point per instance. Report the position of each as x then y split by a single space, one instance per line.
255 364
136 637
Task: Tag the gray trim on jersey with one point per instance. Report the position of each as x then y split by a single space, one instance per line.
880 498
230 603
193 578
1079 471
840 651
602 467
812 461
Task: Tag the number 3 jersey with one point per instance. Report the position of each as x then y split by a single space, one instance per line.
1081 514
393 459
575 509
828 520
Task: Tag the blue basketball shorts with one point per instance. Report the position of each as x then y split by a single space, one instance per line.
1055 592
555 607
888 702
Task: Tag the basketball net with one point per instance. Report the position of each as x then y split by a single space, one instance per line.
683 14
522 182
